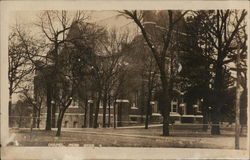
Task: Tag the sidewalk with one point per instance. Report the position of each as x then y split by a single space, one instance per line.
142 126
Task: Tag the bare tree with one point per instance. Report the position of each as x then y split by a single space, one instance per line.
147 69
151 78
160 51
110 64
22 111
55 26
21 45
35 100
88 55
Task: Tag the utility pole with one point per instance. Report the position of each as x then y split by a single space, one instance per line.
237 104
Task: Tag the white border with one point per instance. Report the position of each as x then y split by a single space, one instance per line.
124 4
108 152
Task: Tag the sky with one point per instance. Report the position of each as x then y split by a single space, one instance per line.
109 19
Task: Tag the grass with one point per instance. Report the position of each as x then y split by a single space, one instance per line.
184 137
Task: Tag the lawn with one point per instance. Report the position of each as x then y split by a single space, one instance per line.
181 137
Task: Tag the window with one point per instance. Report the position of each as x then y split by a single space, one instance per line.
174 105
75 124
155 108
174 108
101 104
196 108
133 118
66 124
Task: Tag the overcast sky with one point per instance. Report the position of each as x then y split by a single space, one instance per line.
110 19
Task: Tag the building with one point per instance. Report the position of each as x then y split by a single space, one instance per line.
129 107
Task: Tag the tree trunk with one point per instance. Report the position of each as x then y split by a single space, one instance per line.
20 121
34 117
85 112
205 122
218 98
104 110
10 110
97 109
48 118
215 130
91 111
109 105
114 113
148 110
142 102
53 118
218 82
205 116
166 117
166 97
164 105
166 124
243 109
59 123
38 118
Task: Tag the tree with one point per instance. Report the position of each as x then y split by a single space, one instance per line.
146 67
195 77
222 27
77 60
55 26
90 60
164 26
83 93
109 65
18 61
22 110
35 102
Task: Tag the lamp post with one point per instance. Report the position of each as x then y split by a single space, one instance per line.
90 102
209 117
53 110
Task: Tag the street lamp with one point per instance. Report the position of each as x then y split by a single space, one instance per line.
52 108
209 111
90 114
